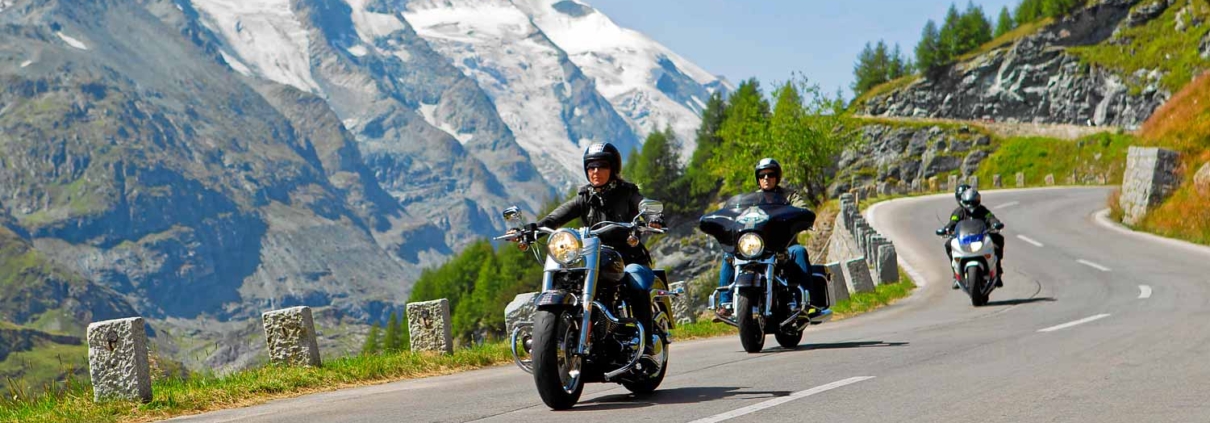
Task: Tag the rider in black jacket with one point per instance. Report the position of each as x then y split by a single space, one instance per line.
971 207
608 198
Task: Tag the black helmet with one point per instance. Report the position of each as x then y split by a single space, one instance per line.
604 151
970 199
768 163
958 192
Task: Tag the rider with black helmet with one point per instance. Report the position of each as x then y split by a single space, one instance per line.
607 197
768 177
970 206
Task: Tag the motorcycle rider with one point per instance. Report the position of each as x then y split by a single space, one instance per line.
768 177
609 198
970 203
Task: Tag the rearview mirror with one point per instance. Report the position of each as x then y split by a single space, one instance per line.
651 207
513 216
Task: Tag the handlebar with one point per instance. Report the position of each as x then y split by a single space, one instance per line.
522 233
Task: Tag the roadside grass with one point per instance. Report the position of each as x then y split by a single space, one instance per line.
1098 158
882 296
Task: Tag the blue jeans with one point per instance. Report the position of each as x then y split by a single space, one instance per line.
639 281
799 272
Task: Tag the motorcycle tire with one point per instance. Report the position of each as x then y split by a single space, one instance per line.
649 385
751 335
974 280
555 336
788 341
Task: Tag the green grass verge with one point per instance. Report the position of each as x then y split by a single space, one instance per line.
882 296
1096 156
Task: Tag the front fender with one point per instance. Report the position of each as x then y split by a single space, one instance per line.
748 280
557 298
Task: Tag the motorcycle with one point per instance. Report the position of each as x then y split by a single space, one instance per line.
973 258
758 228
583 330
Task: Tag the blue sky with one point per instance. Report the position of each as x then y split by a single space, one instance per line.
771 39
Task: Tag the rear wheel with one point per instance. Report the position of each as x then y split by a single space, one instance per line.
974 281
751 335
788 340
556 367
649 384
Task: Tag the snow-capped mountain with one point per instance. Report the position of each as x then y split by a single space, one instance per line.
551 106
649 84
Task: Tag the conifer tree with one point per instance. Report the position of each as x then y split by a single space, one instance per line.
898 67
371 345
697 180
390 342
1005 23
949 36
928 51
973 30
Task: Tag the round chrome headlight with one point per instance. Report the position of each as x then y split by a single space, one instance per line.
750 245
564 247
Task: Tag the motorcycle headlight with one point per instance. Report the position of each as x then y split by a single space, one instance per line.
564 247
751 245
976 246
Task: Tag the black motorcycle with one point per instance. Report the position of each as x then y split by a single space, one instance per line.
758 228
583 330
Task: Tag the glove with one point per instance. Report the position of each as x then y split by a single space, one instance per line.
997 226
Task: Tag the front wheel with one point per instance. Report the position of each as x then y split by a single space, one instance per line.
556 367
751 336
974 282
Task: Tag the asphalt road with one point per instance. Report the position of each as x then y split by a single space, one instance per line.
1093 324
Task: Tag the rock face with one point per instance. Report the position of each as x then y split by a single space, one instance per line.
290 336
1150 178
1035 80
430 327
1201 180
117 360
894 153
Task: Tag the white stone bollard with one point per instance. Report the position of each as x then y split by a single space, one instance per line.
859 273
888 264
430 327
117 360
521 309
682 305
290 336
1020 180
837 288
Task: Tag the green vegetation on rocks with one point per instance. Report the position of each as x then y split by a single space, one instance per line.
1096 159
1156 48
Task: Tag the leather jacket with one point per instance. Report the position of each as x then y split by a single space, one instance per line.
617 201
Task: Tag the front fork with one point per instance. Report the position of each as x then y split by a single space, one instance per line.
592 257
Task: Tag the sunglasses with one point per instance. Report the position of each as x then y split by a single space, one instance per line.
767 175
597 165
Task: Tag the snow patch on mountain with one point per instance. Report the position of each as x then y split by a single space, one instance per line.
550 106
648 83
266 36
429 113
72 41
235 64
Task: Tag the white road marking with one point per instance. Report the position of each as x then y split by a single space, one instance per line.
1093 265
1031 241
1144 291
781 400
1007 205
1077 322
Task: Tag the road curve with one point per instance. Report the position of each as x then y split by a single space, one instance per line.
1071 337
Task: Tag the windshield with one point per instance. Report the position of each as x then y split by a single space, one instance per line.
759 198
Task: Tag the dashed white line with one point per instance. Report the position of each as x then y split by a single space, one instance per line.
1031 241
1007 205
782 400
1093 265
1144 292
1077 322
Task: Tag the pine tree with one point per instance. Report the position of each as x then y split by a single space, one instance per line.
928 51
404 342
371 346
697 180
659 166
1005 23
744 134
390 342
863 71
973 29
949 37
898 67
1028 11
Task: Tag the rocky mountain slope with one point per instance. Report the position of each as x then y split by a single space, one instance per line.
1040 78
